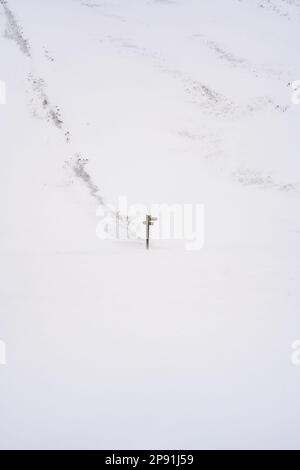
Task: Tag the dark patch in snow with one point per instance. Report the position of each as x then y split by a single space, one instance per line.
47 55
14 31
79 168
78 165
288 9
249 177
42 107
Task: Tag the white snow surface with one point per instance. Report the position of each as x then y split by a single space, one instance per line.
171 101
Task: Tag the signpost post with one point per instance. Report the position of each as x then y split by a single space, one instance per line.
117 225
148 222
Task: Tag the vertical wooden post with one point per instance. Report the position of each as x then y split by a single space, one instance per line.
147 231
149 221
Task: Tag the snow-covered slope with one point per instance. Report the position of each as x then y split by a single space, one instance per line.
181 101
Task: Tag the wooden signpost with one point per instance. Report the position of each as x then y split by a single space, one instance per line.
148 222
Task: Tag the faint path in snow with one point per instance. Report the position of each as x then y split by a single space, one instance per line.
200 94
78 164
288 9
214 103
14 31
79 168
197 92
42 107
250 177
234 61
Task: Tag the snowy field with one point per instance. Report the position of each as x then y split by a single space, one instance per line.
109 346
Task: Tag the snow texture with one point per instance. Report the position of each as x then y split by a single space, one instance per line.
185 101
